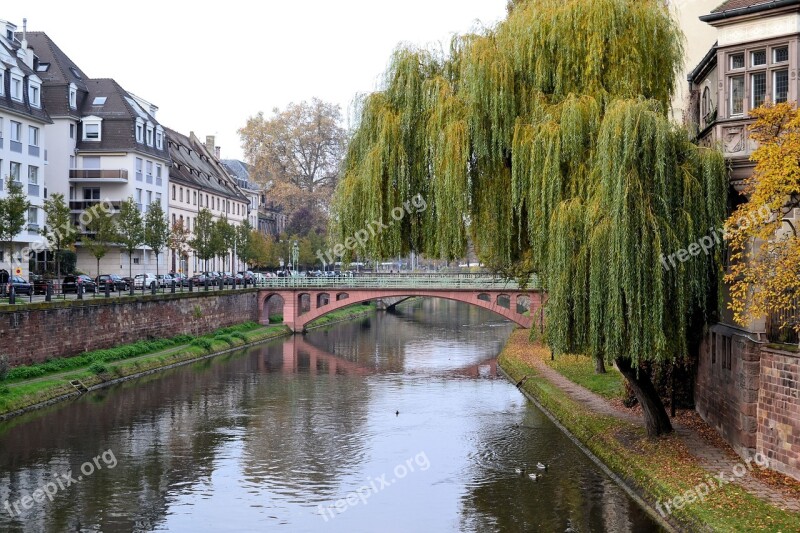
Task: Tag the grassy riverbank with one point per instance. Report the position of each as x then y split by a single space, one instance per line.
28 386
658 470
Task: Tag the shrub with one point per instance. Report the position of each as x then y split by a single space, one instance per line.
97 368
225 338
202 343
240 335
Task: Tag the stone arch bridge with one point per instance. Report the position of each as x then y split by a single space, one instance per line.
306 299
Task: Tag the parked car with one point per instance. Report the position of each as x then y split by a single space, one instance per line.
180 279
145 281
117 283
21 286
39 284
164 280
71 283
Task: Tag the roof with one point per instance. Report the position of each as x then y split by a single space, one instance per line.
108 100
8 58
733 8
193 164
710 59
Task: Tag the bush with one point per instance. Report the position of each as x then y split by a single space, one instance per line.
202 343
5 367
240 335
225 338
97 368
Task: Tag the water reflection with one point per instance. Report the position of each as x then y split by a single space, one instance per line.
275 435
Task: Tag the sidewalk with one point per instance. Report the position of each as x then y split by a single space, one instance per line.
712 458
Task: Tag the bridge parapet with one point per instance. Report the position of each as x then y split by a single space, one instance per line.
402 281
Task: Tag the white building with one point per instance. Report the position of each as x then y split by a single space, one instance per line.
23 157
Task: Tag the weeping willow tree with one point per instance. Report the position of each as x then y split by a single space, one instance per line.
545 142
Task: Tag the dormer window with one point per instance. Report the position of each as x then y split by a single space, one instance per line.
2 82
92 130
139 131
73 96
16 88
149 135
159 138
34 94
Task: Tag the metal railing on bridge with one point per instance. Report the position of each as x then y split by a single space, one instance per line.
469 281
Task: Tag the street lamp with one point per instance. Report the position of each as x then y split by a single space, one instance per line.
295 254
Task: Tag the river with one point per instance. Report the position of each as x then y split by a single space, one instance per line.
391 423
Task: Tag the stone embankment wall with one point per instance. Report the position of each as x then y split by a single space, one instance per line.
749 393
37 332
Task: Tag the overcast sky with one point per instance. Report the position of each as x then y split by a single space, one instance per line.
208 70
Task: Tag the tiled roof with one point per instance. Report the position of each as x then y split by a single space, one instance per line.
119 112
194 165
732 5
6 102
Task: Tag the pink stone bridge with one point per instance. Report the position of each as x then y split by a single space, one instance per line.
306 299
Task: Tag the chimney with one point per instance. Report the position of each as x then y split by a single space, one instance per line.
216 152
210 143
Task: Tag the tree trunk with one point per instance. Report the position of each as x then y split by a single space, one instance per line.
655 416
599 365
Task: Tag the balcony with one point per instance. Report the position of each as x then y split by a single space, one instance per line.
98 176
79 206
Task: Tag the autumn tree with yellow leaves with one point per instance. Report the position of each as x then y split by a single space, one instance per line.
764 274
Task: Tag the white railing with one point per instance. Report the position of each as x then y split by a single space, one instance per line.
399 281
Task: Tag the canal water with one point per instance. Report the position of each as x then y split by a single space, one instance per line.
394 423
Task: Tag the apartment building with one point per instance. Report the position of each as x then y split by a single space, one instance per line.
23 128
264 216
198 180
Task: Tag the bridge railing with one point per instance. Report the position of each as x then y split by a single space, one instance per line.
469 281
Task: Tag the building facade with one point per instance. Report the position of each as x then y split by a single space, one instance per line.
23 134
264 215
746 387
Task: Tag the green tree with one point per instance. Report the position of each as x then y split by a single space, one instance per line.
223 239
102 233
203 240
58 230
244 242
553 155
13 216
130 229
156 230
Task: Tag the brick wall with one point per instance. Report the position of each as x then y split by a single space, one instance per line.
61 329
749 394
726 386
779 410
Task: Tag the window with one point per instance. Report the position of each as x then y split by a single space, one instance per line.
91 162
16 131
194 197
173 192
149 198
174 219
34 93
99 100
149 172
2 82
737 95
737 61
16 88
206 200
181 194
758 88
139 169
33 175
72 162
14 171
149 135
33 216
139 133
33 136
158 171
91 193
158 198
780 86
73 96
72 131
91 132
780 54
138 196
758 58
159 140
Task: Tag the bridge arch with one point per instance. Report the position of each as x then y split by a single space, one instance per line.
296 316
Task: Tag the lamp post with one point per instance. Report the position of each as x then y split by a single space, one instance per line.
295 254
